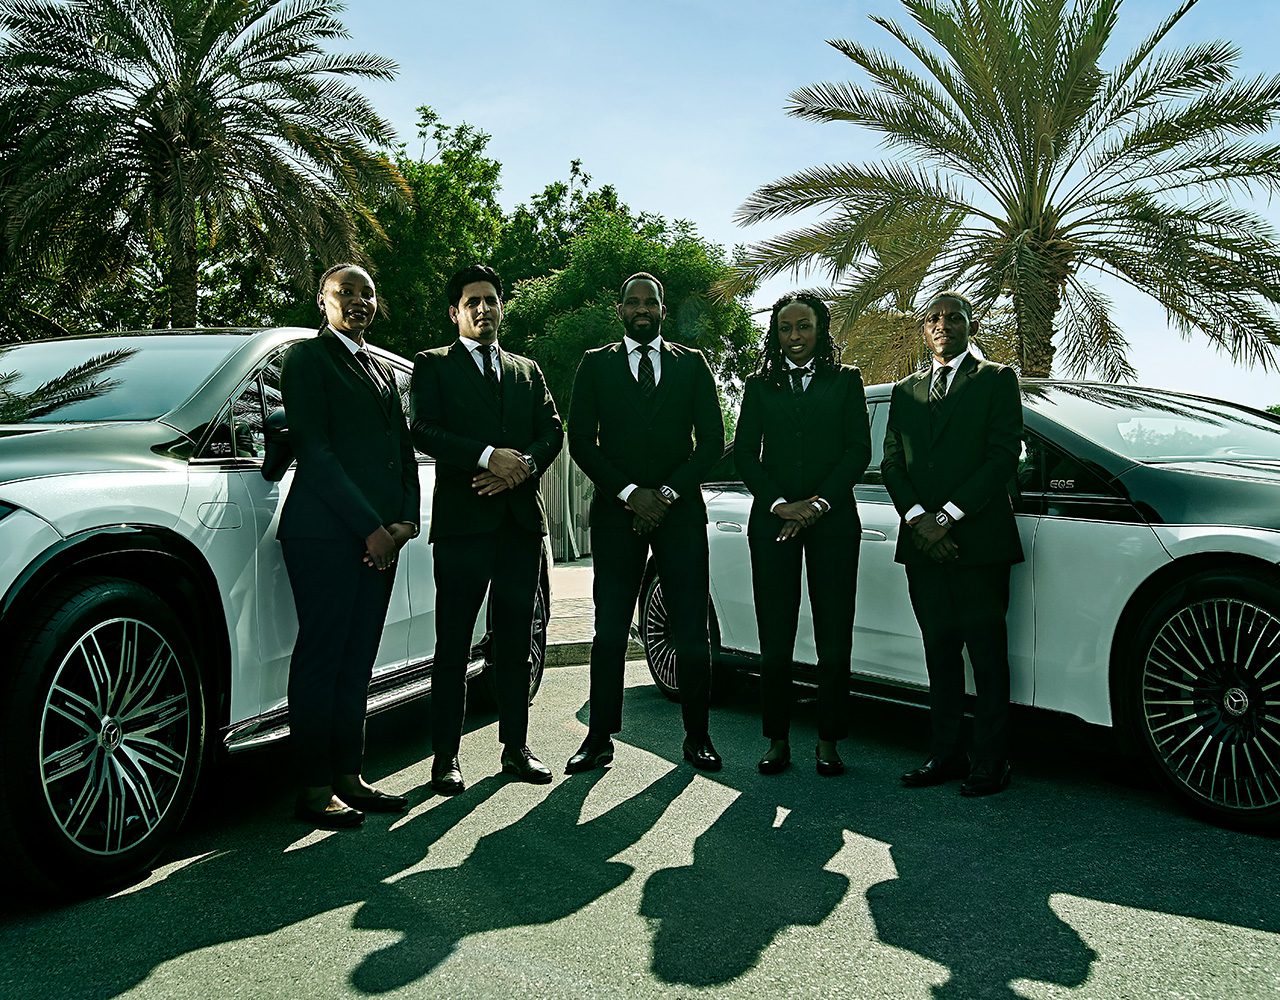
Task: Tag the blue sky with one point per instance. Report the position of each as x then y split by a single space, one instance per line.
679 106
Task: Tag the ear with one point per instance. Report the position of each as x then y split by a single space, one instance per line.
973 327
662 312
453 315
618 307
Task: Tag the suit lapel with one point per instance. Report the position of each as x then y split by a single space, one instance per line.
810 402
628 387
959 384
347 362
464 359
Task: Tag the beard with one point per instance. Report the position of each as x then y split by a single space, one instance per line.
643 335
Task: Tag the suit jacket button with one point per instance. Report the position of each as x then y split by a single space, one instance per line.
391 465
931 465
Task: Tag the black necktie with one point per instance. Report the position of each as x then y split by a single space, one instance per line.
491 373
939 390
797 379
371 370
647 383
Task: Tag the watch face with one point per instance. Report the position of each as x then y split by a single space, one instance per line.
943 519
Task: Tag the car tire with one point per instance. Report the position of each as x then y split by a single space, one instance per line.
103 735
1199 696
660 654
485 685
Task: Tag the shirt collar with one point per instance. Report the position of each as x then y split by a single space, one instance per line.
656 342
473 345
807 366
346 341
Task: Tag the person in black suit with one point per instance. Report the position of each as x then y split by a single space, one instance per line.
951 447
803 440
645 426
353 503
487 418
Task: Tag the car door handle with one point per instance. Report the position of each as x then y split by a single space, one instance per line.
871 535
729 526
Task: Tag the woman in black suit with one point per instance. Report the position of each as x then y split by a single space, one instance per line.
353 503
803 440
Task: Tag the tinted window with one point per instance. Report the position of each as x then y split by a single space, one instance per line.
1152 426
108 378
879 422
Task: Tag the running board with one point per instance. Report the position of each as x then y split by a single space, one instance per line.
386 692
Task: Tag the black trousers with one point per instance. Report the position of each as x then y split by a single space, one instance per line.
618 556
505 563
341 605
831 560
964 607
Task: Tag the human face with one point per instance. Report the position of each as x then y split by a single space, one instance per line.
349 302
797 332
478 312
642 311
947 329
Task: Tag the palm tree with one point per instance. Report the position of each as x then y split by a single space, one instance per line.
1043 167
166 126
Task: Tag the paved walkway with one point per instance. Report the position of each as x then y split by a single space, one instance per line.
572 615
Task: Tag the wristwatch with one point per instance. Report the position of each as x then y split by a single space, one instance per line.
668 494
943 518
533 466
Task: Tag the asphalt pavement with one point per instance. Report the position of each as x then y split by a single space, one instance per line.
652 880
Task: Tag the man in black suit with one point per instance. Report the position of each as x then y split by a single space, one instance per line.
487 418
638 408
951 446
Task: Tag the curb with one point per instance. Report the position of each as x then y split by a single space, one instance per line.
575 654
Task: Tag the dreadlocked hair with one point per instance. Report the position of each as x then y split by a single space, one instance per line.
826 356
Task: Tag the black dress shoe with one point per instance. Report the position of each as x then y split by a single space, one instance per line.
345 818
775 765
699 752
376 802
829 767
596 751
936 770
521 762
446 776
986 778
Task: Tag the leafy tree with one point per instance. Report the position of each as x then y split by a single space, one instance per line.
557 317
1038 165
450 219
157 121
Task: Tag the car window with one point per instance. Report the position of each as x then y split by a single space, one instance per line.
239 429
879 413
1046 469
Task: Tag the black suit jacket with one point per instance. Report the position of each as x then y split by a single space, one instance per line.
795 447
356 467
966 457
618 436
455 416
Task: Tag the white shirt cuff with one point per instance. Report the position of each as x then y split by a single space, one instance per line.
776 502
626 492
913 513
953 511
484 457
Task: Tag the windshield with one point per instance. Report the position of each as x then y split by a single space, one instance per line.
106 378
1150 425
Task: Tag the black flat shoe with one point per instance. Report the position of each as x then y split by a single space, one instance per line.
345 818
377 802
986 778
699 752
596 751
775 765
936 770
521 762
829 767
446 777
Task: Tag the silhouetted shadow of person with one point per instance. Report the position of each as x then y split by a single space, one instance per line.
749 880
542 867
969 901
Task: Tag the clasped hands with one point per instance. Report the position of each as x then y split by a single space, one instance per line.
382 547
934 539
796 516
649 507
506 471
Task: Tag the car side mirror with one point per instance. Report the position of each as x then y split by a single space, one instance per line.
277 453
